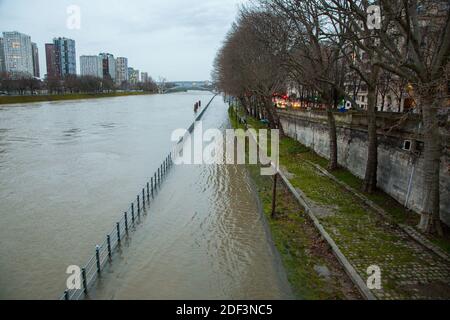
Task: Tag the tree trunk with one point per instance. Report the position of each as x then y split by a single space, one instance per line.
272 114
333 165
370 179
430 221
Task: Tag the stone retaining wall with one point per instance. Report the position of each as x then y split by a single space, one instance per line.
396 167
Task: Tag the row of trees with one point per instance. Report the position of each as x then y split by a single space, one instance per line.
70 84
326 46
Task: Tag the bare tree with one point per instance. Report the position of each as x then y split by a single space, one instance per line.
414 44
246 68
313 56
162 84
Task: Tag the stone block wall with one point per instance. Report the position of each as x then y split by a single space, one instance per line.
398 170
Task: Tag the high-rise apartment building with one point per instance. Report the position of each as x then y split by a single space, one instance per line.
133 76
2 56
144 77
35 52
109 65
65 56
121 70
18 54
91 66
61 58
52 71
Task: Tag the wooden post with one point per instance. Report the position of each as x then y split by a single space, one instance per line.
274 195
108 240
148 193
83 276
126 221
132 212
66 295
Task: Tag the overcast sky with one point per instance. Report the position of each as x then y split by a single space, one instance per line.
177 39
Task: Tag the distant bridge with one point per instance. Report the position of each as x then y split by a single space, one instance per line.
184 89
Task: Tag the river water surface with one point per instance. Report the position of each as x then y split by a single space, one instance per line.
68 170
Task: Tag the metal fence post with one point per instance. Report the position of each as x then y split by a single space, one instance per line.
126 221
143 199
151 182
108 240
118 232
83 276
138 206
97 256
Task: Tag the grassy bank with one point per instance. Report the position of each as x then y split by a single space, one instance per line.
409 271
312 270
61 97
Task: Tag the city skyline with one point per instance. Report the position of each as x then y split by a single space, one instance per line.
60 60
188 34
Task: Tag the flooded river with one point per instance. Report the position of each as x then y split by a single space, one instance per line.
68 170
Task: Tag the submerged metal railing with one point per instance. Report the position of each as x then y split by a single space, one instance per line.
121 231
104 252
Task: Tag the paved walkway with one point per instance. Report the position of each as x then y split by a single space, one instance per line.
408 270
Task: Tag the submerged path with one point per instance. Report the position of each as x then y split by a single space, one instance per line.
204 238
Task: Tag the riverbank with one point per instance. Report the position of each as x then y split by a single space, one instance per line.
366 238
62 97
313 272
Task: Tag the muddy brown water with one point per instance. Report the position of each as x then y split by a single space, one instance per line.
67 171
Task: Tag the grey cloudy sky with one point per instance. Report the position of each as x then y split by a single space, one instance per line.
177 39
